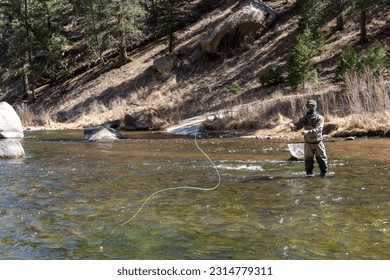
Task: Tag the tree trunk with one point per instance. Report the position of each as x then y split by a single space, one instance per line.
363 26
170 48
95 30
29 90
122 46
171 35
340 16
154 12
123 58
48 20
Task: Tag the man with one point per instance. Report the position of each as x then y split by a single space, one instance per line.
312 123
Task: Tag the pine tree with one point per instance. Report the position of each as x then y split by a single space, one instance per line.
349 61
362 7
112 24
169 19
313 14
376 57
299 67
34 39
126 13
375 60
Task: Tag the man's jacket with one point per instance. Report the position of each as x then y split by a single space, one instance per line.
314 125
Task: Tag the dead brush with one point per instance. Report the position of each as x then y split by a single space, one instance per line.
366 93
367 105
372 124
30 118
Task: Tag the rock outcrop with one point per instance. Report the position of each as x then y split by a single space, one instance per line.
252 19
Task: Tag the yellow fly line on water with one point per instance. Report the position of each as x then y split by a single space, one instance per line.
180 187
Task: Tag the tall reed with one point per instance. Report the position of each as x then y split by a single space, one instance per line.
366 93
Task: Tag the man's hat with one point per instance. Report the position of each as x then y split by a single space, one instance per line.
311 102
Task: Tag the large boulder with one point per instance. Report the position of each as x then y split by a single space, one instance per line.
144 119
10 124
103 132
11 148
252 19
166 63
11 133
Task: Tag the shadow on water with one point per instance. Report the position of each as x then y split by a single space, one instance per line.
63 200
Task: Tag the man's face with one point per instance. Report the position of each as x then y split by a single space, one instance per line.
311 108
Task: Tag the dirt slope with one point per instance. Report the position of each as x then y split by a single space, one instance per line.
106 93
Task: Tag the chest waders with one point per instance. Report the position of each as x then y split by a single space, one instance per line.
314 148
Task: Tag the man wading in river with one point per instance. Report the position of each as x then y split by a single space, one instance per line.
312 123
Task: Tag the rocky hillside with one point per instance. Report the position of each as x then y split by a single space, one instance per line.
198 84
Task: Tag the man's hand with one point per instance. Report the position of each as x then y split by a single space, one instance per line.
305 132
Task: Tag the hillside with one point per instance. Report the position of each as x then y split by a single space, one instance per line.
136 89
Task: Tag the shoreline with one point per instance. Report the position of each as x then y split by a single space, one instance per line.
261 134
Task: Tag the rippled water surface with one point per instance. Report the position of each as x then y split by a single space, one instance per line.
67 196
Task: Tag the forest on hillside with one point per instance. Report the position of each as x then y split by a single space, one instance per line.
44 43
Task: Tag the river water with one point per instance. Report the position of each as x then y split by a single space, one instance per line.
68 198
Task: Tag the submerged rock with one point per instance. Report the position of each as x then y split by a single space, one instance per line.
103 132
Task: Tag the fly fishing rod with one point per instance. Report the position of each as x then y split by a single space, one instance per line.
179 187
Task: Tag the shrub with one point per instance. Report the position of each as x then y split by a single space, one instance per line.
319 41
269 77
376 57
235 87
348 61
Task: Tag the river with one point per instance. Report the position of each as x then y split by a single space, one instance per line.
68 199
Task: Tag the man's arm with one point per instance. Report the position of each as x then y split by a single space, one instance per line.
298 125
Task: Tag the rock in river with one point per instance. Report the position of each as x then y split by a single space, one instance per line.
11 133
103 132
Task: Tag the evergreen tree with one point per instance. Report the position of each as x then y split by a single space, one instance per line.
349 61
150 7
362 7
375 59
299 67
112 24
127 14
34 39
170 18
314 14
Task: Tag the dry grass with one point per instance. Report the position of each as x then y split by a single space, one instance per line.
366 93
366 124
30 118
367 105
